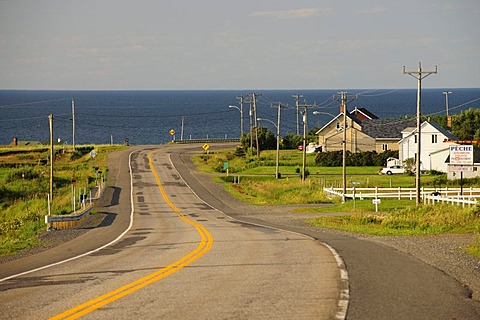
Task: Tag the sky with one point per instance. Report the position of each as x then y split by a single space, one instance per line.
224 44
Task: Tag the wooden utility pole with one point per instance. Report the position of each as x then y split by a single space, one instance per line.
277 158
181 131
296 97
254 99
344 99
304 149
419 75
73 125
250 113
50 121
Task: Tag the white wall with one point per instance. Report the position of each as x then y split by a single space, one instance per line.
431 156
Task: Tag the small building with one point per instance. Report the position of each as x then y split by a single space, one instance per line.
365 132
434 146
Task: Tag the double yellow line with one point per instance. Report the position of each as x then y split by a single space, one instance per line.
203 247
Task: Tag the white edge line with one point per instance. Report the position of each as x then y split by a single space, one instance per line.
95 250
344 280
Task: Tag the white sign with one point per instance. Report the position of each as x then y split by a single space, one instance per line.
460 169
461 154
376 201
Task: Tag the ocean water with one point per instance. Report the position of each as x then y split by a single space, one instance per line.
146 117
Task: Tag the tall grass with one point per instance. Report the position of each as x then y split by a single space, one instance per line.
269 191
410 220
25 183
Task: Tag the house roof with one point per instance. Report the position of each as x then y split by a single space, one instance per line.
442 130
438 127
386 128
364 111
340 115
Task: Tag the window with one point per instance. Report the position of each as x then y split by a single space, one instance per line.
415 138
338 125
384 147
434 138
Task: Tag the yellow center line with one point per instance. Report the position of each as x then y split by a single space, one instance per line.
203 247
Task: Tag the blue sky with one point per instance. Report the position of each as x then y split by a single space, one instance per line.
222 44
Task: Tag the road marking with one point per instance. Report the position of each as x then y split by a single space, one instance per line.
203 247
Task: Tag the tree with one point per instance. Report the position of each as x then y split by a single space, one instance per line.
466 125
266 140
409 165
291 141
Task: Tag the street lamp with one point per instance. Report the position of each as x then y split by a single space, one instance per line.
321 112
446 93
278 141
241 118
327 113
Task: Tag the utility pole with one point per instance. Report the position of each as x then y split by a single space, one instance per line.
296 97
304 149
50 195
344 99
419 75
449 121
277 176
73 125
254 99
181 131
241 99
251 126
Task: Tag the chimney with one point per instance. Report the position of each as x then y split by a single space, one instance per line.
342 107
15 141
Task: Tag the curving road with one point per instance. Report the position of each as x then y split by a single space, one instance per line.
193 251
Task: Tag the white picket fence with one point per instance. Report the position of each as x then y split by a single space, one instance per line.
463 196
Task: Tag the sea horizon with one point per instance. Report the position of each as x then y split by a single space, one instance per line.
147 116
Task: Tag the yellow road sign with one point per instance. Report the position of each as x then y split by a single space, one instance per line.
172 132
206 147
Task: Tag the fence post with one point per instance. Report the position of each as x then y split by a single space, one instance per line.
399 193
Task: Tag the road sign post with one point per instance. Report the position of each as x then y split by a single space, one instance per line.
376 202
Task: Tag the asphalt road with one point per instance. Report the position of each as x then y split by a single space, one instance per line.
180 258
184 258
384 283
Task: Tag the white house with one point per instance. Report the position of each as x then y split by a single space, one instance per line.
434 151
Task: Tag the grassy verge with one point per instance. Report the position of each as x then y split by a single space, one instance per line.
398 218
267 191
25 183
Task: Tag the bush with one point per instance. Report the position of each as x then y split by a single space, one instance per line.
369 158
80 152
23 173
